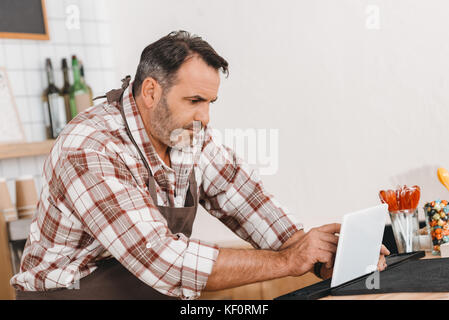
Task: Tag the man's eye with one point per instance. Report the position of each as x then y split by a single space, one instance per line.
195 101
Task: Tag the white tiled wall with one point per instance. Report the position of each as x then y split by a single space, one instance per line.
24 61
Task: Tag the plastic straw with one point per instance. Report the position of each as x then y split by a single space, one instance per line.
400 224
408 233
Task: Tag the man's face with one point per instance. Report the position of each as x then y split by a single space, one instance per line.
185 108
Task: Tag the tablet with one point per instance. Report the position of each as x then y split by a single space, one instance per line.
359 244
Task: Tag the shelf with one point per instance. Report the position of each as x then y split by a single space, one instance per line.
25 149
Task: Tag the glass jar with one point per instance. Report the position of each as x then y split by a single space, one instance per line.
405 226
436 213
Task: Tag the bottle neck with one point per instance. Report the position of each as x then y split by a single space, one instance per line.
66 77
76 73
82 75
50 77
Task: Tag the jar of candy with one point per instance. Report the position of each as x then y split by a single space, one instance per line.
437 222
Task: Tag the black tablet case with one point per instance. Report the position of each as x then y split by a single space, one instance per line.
405 273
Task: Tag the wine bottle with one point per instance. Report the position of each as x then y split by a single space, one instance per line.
66 89
79 94
83 80
48 130
55 104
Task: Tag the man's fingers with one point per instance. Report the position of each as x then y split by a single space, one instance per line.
329 237
382 264
384 250
327 246
330 228
326 257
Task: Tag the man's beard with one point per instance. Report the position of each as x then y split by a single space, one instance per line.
167 129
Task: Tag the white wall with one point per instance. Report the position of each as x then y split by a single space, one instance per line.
357 109
24 61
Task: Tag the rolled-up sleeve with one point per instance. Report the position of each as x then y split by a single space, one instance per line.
121 215
234 193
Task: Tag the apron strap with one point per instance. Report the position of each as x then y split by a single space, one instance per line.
116 94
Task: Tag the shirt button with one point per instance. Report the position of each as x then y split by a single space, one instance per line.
148 246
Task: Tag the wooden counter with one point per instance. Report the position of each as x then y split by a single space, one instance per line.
6 272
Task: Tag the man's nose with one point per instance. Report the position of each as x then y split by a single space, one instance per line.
203 114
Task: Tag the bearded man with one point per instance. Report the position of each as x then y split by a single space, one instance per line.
122 186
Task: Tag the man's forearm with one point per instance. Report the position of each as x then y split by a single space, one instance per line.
236 267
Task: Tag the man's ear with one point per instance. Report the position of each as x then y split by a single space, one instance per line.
150 92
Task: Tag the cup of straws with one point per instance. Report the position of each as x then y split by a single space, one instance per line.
403 210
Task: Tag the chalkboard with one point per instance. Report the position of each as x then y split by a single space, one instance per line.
23 19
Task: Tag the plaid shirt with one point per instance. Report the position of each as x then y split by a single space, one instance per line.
95 202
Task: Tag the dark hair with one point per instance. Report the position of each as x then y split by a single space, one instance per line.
162 59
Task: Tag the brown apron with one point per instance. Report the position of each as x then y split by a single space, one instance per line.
111 280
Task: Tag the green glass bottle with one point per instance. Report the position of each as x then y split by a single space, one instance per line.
79 94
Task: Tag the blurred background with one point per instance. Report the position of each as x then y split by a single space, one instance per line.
356 91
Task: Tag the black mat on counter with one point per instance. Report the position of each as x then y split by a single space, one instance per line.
405 273
429 275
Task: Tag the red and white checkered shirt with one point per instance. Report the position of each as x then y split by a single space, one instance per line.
95 202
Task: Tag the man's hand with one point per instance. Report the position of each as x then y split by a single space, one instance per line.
382 264
306 249
326 273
